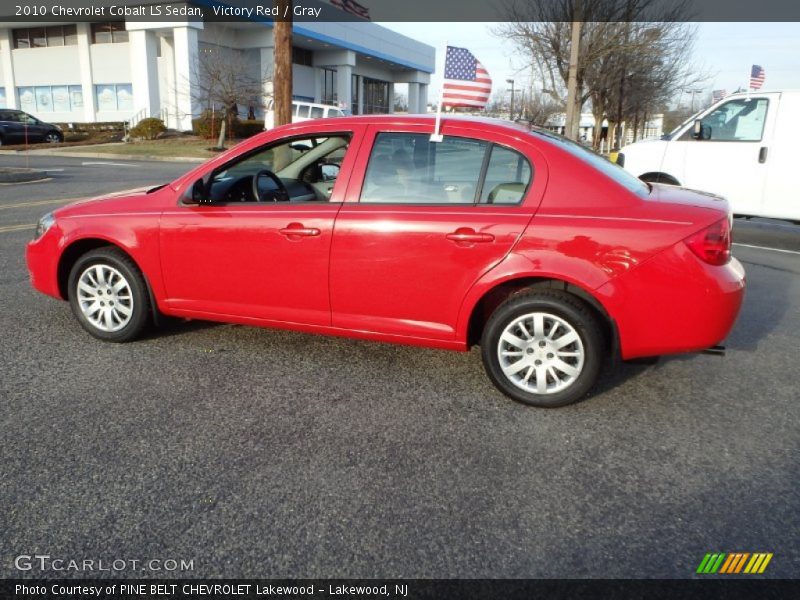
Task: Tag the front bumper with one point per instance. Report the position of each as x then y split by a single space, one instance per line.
41 256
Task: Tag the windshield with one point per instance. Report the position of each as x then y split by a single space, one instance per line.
605 166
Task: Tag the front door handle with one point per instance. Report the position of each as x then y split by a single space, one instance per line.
762 154
469 236
293 229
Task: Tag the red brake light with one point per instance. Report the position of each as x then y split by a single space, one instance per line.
712 244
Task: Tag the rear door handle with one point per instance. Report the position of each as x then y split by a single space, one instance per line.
470 236
293 229
762 154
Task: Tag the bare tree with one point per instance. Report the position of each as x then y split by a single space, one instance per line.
628 49
226 79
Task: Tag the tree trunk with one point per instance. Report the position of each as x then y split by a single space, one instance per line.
282 80
221 138
597 132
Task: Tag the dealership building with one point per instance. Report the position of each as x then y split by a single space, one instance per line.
128 70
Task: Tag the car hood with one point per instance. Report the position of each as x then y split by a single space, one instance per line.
121 201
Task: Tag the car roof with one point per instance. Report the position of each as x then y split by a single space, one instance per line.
424 119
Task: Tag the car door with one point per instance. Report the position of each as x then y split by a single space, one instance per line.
417 229
728 159
258 259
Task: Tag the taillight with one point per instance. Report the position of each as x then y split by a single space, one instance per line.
712 244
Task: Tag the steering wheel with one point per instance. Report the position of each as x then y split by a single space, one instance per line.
280 195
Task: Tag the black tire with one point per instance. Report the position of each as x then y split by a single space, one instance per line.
54 137
572 311
140 308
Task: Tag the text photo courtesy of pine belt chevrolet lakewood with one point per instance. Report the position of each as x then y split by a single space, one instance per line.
550 257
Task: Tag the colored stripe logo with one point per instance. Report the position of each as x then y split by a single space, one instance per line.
729 563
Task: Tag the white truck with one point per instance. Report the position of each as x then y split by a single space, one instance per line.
746 147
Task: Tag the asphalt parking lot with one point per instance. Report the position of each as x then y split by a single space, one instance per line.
258 453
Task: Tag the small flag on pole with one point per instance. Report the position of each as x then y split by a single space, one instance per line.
756 77
718 95
352 7
466 81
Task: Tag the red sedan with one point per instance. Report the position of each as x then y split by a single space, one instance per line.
547 255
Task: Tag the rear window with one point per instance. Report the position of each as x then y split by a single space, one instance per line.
615 172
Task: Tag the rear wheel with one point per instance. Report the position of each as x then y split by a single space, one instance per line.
543 348
108 295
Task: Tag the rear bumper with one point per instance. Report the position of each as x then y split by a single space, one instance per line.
674 303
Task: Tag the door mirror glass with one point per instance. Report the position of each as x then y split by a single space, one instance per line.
199 195
330 171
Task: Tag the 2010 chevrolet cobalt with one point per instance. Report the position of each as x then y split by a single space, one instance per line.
548 256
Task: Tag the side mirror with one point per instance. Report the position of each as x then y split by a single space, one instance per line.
330 171
200 193
701 131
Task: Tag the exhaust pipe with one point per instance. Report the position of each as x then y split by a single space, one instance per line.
715 350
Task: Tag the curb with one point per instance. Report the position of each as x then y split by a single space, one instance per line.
65 154
14 175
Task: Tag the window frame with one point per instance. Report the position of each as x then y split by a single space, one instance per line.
476 203
688 135
113 27
208 176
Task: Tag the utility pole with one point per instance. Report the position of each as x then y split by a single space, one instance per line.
572 124
282 84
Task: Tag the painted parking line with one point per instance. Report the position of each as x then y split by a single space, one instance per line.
37 203
108 164
23 227
766 248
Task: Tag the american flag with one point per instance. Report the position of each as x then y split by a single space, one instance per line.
756 77
718 95
352 7
466 82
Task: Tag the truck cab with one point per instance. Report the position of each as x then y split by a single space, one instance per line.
742 148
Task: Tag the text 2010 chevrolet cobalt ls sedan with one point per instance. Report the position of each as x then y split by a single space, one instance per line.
549 256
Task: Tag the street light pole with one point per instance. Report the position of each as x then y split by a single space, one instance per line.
511 111
573 108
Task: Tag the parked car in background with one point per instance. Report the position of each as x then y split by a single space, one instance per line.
303 111
18 127
547 255
743 147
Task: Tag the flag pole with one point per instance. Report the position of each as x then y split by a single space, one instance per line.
747 97
436 136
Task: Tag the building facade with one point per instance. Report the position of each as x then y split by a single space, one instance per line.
128 70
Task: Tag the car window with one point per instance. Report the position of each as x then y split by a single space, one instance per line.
297 163
317 112
605 166
507 177
740 120
302 110
407 168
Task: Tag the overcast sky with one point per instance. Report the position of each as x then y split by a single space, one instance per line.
724 50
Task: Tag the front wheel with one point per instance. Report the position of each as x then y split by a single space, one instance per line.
53 138
543 348
108 295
